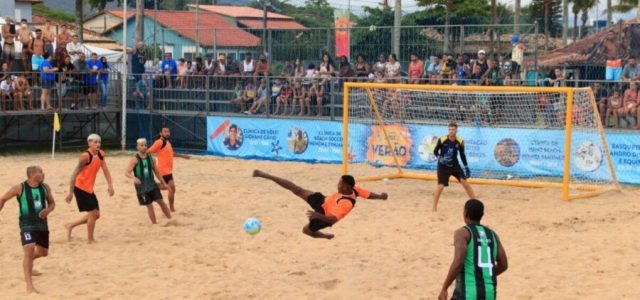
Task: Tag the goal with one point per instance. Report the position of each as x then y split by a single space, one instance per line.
516 136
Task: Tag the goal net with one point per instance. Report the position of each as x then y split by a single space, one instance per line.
517 136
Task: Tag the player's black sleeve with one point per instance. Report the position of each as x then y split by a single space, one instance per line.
436 150
462 155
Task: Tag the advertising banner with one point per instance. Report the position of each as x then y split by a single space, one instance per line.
520 152
341 23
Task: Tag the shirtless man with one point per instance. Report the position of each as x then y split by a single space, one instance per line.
25 35
22 91
612 49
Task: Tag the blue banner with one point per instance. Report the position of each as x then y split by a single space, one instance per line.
521 152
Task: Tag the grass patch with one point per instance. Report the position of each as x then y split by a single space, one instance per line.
42 10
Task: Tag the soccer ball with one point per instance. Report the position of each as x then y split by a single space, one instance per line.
372 28
252 226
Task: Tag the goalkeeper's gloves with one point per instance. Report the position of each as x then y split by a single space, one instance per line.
467 172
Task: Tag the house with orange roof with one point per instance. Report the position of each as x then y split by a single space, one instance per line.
249 17
175 31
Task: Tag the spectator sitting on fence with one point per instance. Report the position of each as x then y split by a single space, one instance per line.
600 94
448 69
298 69
392 69
284 99
233 69
47 81
507 68
6 88
82 69
380 65
517 56
169 70
416 69
209 65
462 71
479 67
22 91
263 99
310 74
287 70
248 95
103 79
182 72
362 68
142 92
630 103
326 69
556 79
434 69
316 92
299 96
613 107
631 70
263 67
238 98
275 89
248 65
5 71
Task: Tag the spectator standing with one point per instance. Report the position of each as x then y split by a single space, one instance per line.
9 35
517 56
91 81
36 49
70 83
62 40
103 80
611 49
82 72
416 69
25 36
47 80
74 48
49 36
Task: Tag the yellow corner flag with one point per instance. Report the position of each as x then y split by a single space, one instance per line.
56 122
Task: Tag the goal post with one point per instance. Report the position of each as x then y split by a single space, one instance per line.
537 137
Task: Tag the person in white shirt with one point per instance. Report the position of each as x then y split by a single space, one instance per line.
6 90
74 48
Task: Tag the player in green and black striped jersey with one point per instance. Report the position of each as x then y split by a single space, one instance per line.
141 169
35 201
479 258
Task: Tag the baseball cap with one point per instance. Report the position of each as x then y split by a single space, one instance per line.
481 51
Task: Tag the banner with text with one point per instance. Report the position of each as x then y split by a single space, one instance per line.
517 152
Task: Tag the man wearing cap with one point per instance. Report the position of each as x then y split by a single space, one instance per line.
480 67
326 210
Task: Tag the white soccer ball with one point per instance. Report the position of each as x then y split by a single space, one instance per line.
372 28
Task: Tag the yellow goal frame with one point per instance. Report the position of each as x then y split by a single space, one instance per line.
588 190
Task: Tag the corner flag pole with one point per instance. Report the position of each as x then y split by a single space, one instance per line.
125 66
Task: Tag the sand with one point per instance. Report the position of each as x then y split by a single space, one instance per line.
396 249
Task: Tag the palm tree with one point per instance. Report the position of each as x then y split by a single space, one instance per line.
448 4
625 6
565 21
588 4
516 17
609 17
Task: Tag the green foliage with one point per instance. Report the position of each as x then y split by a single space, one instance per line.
535 12
624 6
314 14
41 10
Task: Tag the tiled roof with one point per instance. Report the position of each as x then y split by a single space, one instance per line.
240 11
184 23
271 24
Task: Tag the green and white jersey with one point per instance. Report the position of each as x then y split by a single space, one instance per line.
144 172
32 201
478 279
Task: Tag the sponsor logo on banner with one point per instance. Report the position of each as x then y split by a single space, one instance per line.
379 151
507 152
588 157
426 147
297 140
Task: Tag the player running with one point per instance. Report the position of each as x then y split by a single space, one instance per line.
35 201
163 147
447 150
326 210
478 260
141 169
82 182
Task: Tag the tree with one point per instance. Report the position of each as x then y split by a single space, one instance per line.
624 6
548 14
448 4
581 6
99 4
139 36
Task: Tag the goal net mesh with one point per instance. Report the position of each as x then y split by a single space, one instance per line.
508 135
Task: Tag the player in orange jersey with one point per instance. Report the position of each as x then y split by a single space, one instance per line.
83 179
165 154
327 210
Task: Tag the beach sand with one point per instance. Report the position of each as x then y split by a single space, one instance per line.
398 249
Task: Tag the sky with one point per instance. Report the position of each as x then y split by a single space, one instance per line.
411 6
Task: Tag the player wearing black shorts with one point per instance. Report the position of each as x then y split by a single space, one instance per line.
35 201
327 210
447 150
141 169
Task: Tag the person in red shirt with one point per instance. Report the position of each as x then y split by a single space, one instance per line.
83 179
164 150
327 210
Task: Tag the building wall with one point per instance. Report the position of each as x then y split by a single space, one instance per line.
8 9
97 24
22 11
